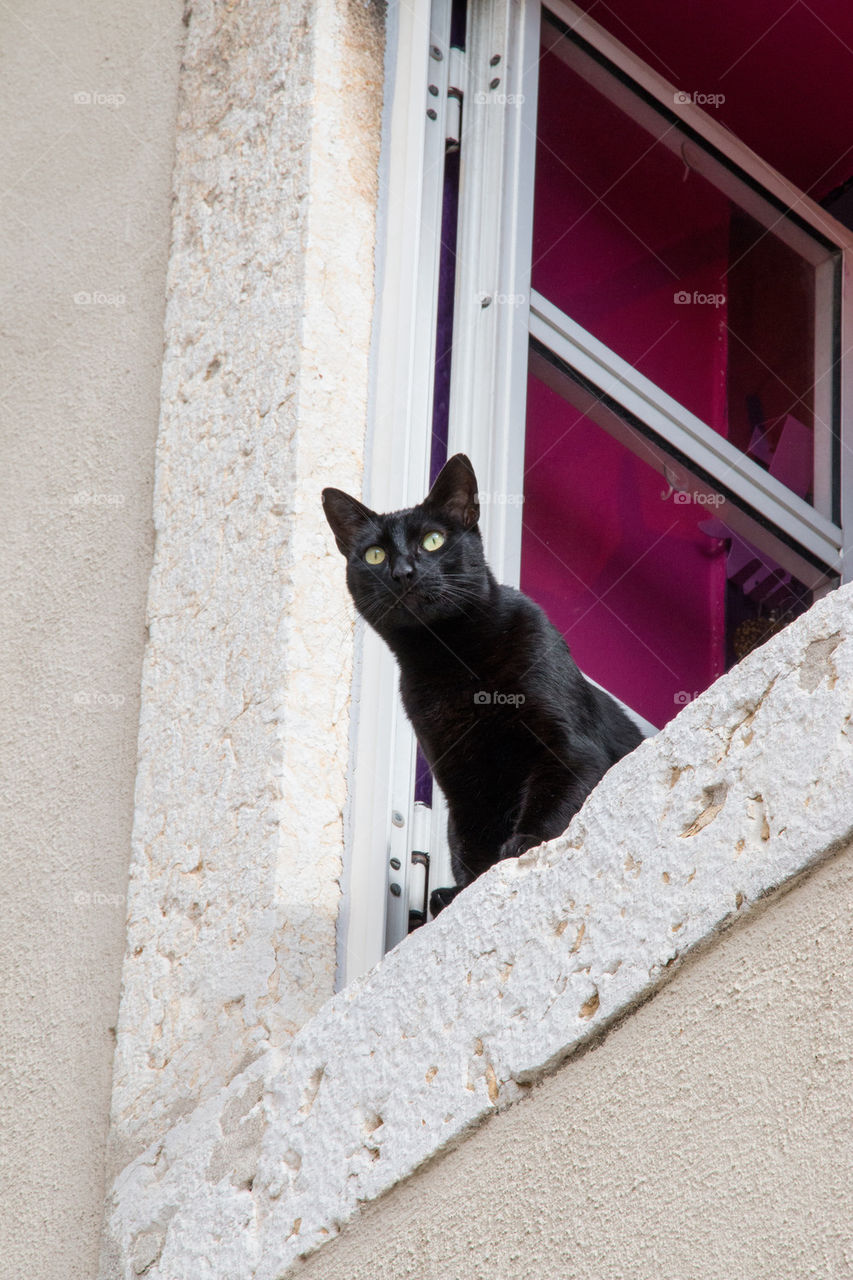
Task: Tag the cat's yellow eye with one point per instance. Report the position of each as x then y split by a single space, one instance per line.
374 555
432 541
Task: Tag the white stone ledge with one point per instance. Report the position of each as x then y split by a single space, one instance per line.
749 786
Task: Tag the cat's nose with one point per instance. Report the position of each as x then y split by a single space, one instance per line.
403 568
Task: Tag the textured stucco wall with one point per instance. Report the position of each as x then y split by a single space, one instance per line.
87 107
708 1137
244 722
745 791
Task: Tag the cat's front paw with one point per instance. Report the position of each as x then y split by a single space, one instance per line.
516 845
441 898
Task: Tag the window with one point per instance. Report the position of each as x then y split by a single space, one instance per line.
648 326
683 410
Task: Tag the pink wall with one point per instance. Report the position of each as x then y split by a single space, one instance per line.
650 258
624 572
785 70
621 229
626 575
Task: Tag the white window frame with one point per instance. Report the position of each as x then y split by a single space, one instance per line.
380 810
615 379
495 317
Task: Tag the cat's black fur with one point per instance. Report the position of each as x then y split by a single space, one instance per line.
515 766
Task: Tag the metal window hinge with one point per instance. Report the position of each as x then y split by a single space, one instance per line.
418 880
453 72
418 914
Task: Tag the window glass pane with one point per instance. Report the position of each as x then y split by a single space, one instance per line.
656 596
638 238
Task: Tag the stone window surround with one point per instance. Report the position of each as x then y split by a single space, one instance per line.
244 732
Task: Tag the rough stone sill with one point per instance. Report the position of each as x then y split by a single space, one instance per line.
748 787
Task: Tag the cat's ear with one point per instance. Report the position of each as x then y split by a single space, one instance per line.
347 516
455 491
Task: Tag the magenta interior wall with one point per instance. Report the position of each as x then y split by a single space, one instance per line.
622 570
621 230
627 576
621 226
785 71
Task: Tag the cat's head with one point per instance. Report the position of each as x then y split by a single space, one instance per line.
419 566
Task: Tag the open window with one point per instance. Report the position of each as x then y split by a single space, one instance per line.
637 330
683 424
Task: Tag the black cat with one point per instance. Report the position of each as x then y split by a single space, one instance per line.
514 734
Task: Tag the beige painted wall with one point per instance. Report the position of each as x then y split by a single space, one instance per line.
87 104
709 1137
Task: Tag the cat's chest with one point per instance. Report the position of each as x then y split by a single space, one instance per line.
476 696
449 671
